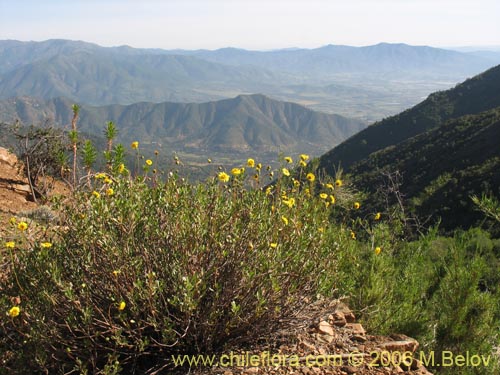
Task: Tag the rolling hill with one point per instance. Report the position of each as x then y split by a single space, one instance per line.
245 124
92 78
445 148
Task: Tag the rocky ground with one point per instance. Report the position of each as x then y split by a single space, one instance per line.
325 339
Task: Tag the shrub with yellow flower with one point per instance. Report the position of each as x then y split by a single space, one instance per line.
290 202
236 171
223 176
14 311
22 226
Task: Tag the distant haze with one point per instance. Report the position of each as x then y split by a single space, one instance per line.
253 24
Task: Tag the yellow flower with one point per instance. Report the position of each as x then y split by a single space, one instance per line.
296 183
304 157
329 186
223 176
22 226
236 171
107 180
110 192
256 177
149 162
10 245
353 235
357 205
307 192
377 216
134 145
46 245
122 306
310 177
209 161
284 220
116 272
378 250
286 172
321 229
290 202
14 311
274 245
121 168
100 176
259 166
338 183
251 163
12 220
288 159
268 190
323 195
302 163
96 194
332 199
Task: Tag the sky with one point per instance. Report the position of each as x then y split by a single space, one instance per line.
254 24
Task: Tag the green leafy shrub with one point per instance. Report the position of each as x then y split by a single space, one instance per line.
141 269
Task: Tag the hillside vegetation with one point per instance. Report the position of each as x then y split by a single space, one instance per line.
443 150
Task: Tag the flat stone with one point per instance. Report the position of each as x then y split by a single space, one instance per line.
409 345
325 328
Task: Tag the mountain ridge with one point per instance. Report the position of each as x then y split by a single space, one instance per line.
246 123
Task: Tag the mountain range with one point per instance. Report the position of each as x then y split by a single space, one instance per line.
445 149
363 82
252 124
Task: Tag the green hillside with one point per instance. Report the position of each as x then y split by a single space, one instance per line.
475 95
442 168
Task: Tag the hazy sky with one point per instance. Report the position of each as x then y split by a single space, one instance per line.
253 24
